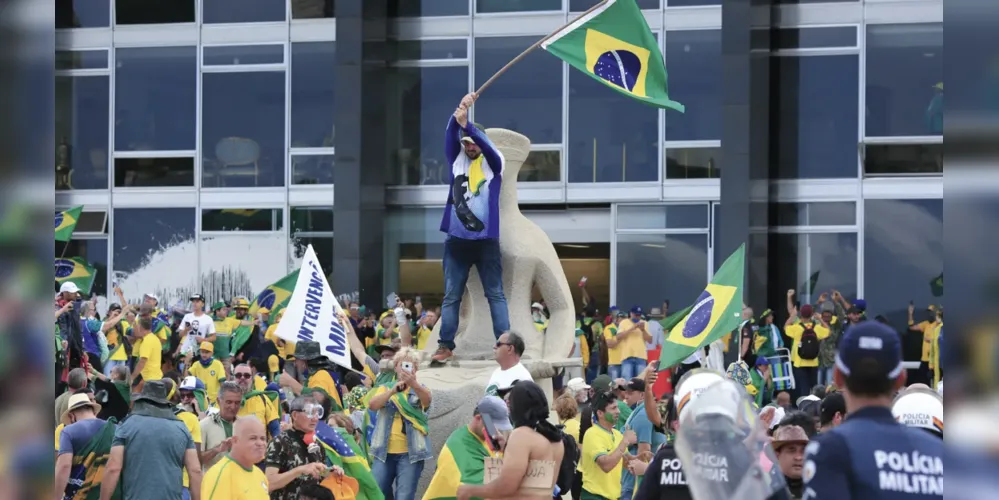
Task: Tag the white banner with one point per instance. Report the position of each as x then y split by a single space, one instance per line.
312 313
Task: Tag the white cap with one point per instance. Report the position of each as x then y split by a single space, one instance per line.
537 305
691 385
68 287
189 383
920 408
153 296
577 384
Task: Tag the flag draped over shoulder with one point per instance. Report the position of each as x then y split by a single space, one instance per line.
323 381
76 270
461 461
89 464
65 223
613 44
341 450
413 415
715 313
276 296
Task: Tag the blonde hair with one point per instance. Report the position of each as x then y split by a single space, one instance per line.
565 407
406 354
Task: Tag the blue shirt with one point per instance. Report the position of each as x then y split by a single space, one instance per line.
472 210
639 422
873 457
88 330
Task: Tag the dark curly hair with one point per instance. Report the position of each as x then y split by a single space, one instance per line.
529 408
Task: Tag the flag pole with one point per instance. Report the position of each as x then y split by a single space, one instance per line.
530 49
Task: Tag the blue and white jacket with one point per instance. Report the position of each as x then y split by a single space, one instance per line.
472 211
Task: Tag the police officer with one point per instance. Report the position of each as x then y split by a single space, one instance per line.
920 408
871 456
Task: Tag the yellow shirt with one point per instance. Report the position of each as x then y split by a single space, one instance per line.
114 339
151 349
227 480
212 375
633 346
613 353
284 348
194 427
601 442
927 330
421 337
935 350
225 325
794 332
261 407
57 434
397 438
572 427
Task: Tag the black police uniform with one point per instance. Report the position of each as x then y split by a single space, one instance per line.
873 457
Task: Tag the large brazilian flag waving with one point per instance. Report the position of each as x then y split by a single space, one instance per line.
715 313
613 44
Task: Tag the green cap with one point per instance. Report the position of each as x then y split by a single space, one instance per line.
218 305
602 384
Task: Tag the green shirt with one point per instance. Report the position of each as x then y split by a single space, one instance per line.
623 417
227 426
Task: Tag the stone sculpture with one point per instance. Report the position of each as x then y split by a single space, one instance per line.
529 259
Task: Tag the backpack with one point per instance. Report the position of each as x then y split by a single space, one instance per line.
808 346
567 469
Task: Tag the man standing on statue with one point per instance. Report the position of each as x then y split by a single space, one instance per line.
471 221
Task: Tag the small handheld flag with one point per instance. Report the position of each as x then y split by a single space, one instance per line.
65 223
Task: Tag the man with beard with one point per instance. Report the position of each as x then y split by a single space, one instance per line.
256 403
245 335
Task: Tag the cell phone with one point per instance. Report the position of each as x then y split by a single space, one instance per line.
407 366
491 432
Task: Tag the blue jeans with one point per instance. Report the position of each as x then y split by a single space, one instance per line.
398 469
614 371
825 376
631 367
459 257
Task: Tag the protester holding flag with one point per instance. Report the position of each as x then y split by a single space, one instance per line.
82 448
351 472
401 440
461 461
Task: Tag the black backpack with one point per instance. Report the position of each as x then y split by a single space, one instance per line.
808 346
567 470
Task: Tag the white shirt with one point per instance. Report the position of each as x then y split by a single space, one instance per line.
656 330
201 326
502 379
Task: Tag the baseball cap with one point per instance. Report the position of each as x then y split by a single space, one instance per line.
830 406
807 311
620 313
577 384
602 383
636 384
636 310
152 296
537 305
218 305
207 346
196 296
803 399
870 341
761 361
68 287
497 411
191 383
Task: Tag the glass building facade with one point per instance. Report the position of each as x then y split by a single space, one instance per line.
210 141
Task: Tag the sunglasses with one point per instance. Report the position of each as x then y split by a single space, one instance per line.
242 375
501 344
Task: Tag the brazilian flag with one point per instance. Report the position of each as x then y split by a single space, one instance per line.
613 44
716 312
77 270
65 223
936 286
340 449
275 297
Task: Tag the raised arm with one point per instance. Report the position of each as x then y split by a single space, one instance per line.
452 140
493 157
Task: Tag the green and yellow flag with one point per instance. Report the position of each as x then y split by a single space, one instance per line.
65 223
462 460
341 450
76 270
613 44
936 286
276 296
715 313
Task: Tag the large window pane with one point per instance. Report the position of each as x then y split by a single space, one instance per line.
155 251
581 5
429 97
312 84
796 260
903 256
313 9
242 219
154 172
242 11
146 12
693 163
662 216
815 214
654 268
903 159
816 127
231 265
486 6
693 59
82 13
528 97
312 169
243 129
904 79
312 226
421 50
82 106
155 98
81 59
541 166
243 55
95 252
690 3
612 137
427 8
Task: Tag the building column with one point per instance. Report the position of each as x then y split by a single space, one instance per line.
745 160
361 156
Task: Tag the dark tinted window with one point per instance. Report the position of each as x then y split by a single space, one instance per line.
690 3
311 219
146 12
816 127
541 166
652 268
903 159
236 55
82 13
154 252
528 97
82 105
414 50
155 98
150 172
243 129
811 264
312 169
429 98
242 219
814 38
904 79
693 163
427 8
81 59
816 214
313 9
693 61
242 11
903 255
486 6
312 89
581 5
